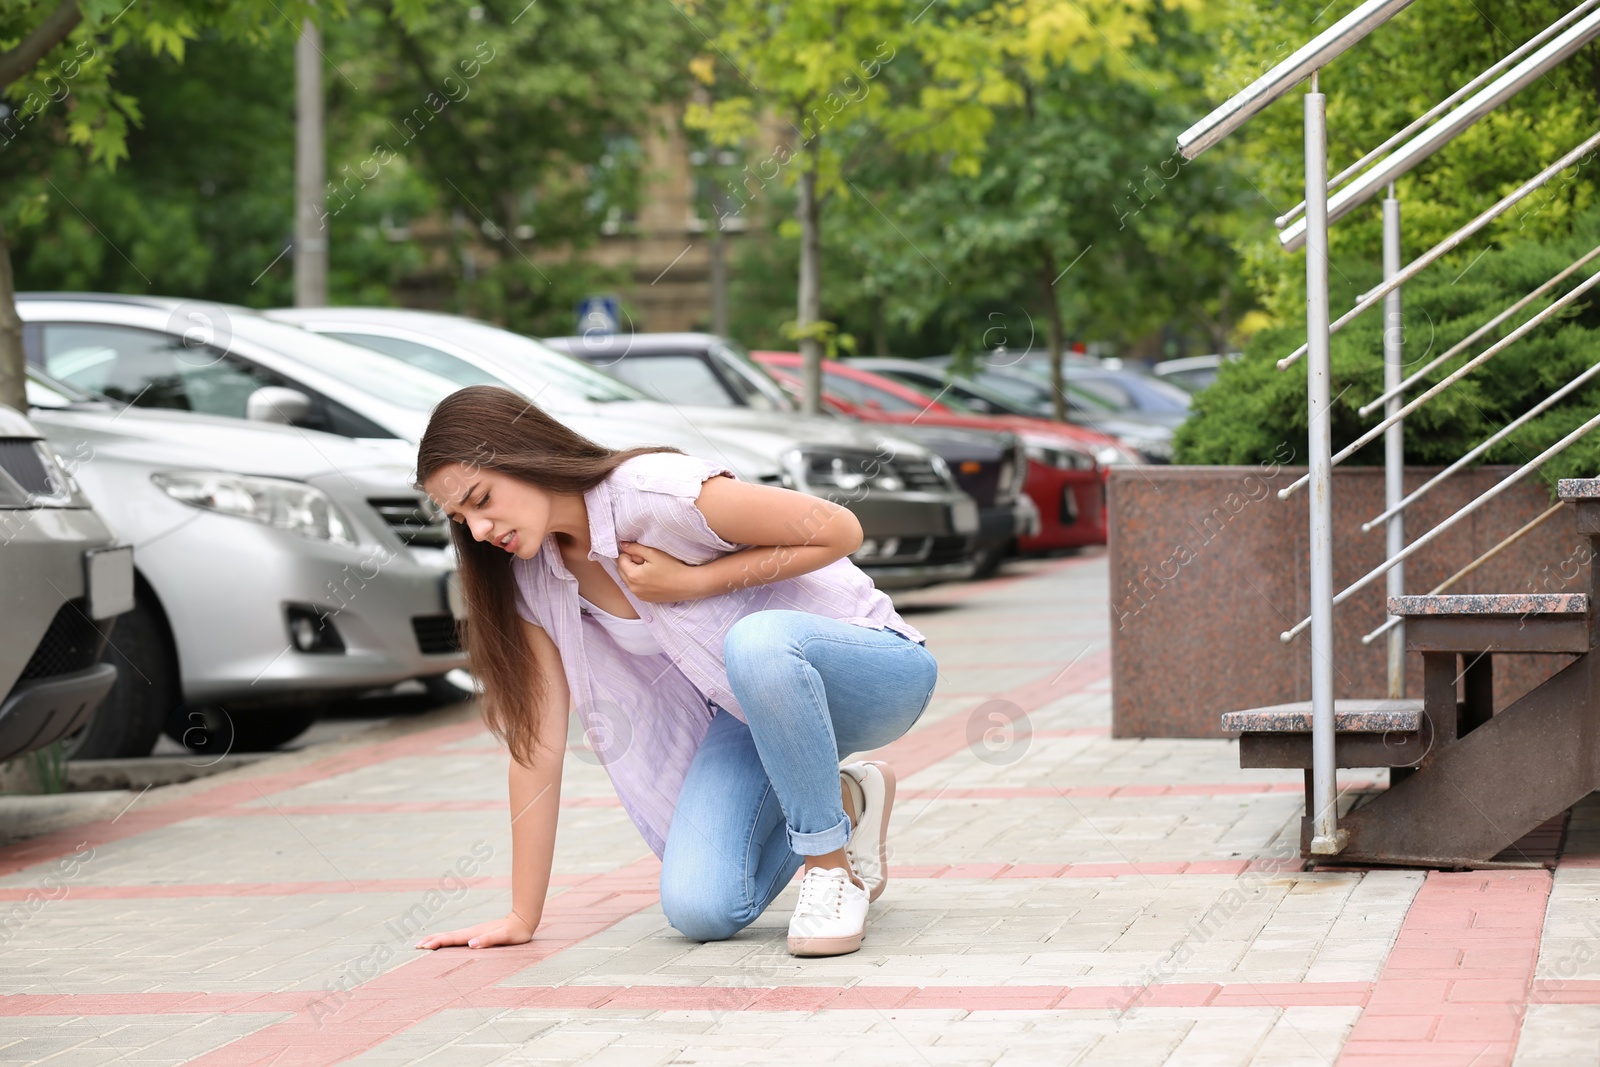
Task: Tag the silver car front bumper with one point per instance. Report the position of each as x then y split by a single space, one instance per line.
226 585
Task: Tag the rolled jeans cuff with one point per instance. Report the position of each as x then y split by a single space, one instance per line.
823 841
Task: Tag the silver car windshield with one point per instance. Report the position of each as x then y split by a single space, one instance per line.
373 373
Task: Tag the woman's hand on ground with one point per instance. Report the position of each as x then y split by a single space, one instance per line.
656 577
512 930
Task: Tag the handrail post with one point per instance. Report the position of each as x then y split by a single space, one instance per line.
1326 838
1394 457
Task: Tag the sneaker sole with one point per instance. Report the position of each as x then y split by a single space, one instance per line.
824 946
883 827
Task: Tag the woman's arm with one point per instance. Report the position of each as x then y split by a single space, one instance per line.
535 803
790 533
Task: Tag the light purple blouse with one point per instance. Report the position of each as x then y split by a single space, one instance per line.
646 715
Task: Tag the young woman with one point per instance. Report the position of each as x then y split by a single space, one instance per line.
720 650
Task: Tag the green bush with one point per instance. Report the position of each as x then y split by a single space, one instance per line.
1253 407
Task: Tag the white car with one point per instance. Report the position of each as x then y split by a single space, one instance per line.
274 566
919 527
153 352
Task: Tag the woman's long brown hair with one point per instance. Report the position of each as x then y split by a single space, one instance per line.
484 427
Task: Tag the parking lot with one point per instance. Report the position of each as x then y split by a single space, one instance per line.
1056 896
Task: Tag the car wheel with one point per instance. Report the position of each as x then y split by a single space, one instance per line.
443 691
215 731
989 560
129 721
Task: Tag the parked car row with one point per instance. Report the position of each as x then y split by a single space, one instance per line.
251 476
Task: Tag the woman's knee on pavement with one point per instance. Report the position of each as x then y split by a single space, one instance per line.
697 910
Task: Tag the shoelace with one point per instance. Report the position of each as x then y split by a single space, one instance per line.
821 894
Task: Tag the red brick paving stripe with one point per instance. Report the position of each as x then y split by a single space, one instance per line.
184 1003
987 871
404 807
401 807
1457 982
227 791
472 991
335 1028
920 872
1193 789
967 998
271 889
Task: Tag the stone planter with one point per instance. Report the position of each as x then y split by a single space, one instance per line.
1208 566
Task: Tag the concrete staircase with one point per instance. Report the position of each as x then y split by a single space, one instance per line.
1468 780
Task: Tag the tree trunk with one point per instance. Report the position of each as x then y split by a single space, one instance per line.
1224 326
310 174
719 269
880 325
808 310
12 361
1052 306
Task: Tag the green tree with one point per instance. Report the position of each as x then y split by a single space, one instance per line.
526 122
61 55
517 130
1253 406
211 224
1419 57
815 69
1083 220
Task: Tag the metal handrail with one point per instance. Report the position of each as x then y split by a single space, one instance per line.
1466 509
1452 126
1498 435
1444 105
1371 297
1476 335
1454 376
1528 527
1281 79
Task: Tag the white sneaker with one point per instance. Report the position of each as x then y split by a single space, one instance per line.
831 916
868 847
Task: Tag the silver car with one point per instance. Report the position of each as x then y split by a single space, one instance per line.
63 575
920 527
232 362
273 565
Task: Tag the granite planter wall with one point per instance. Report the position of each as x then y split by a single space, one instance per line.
1208 566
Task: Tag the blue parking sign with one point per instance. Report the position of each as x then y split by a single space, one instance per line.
597 314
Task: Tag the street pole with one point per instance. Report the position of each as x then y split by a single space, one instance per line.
1326 838
310 174
719 267
1394 452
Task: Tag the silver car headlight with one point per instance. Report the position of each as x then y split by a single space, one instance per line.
1058 455
294 507
823 471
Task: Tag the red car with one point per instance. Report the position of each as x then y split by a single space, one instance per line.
1065 469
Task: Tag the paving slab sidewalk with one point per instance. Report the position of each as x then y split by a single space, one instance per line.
1057 896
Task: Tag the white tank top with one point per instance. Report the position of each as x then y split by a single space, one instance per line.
632 634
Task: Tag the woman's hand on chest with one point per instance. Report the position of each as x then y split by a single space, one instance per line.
657 577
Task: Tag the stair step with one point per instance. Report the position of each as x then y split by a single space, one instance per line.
1490 604
1578 488
1349 716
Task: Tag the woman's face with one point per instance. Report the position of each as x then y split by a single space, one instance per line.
498 508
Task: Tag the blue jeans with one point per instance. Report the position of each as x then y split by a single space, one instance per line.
758 798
